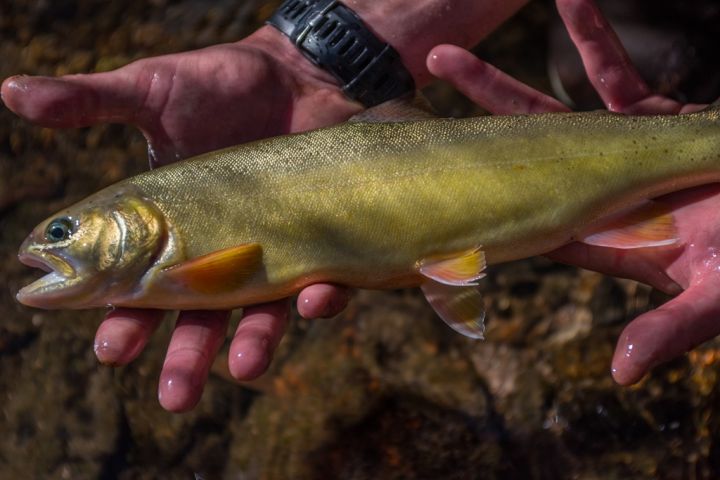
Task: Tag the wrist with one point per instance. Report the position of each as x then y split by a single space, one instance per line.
414 27
314 92
333 37
273 43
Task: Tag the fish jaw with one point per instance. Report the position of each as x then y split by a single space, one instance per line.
56 287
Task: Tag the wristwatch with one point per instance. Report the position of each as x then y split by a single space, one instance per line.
334 38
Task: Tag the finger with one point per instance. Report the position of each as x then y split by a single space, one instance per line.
322 301
134 94
607 64
643 265
124 333
256 339
487 86
79 100
667 332
197 337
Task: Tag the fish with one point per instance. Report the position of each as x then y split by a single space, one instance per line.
379 205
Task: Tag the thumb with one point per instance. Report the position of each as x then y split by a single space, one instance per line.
668 331
119 96
76 100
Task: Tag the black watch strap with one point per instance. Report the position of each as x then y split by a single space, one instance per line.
333 37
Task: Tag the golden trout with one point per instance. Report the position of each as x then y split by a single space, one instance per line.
372 205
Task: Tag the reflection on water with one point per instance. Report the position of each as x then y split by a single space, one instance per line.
384 391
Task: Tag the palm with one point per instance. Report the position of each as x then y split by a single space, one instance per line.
695 210
225 95
201 101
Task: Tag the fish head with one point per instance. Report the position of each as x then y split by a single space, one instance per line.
93 252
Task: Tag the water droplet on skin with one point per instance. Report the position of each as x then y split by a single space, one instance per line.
18 83
628 350
169 387
100 345
709 264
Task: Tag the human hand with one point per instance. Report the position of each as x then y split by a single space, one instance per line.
186 104
693 270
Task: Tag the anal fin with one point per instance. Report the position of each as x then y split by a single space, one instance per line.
460 307
648 225
221 271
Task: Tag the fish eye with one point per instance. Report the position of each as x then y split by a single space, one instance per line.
58 230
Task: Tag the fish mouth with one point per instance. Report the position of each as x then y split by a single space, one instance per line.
50 288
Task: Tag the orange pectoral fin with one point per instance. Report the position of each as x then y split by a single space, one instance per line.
217 272
649 225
